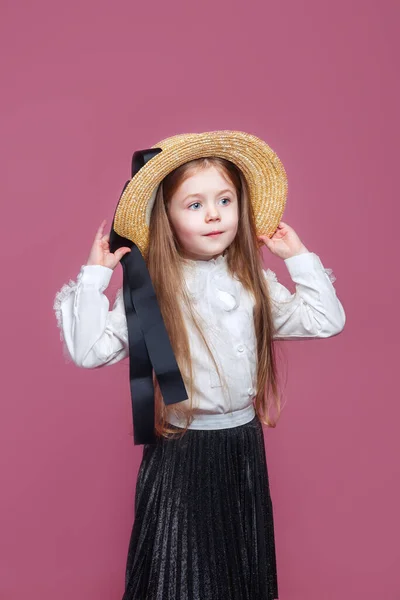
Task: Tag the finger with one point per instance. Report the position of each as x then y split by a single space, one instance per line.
121 252
265 239
100 230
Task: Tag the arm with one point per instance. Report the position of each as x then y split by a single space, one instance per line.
92 335
313 311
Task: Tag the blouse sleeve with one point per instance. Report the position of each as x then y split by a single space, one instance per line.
313 311
92 334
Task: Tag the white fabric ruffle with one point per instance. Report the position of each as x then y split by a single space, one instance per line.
331 275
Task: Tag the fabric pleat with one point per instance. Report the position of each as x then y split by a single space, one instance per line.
203 526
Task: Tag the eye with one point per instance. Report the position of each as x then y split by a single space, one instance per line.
194 204
228 200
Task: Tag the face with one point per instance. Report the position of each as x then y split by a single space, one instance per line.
204 214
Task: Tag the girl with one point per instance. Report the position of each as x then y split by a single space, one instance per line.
203 527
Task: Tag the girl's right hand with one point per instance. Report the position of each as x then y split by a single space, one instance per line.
100 251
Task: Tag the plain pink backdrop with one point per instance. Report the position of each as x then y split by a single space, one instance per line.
84 85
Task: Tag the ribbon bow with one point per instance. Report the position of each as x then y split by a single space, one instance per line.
149 344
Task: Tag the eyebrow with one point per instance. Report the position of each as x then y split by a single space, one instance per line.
201 195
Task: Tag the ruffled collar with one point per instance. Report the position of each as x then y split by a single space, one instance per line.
206 266
209 282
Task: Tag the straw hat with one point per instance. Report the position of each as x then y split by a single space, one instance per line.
259 164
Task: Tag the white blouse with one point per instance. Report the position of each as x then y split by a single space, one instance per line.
93 335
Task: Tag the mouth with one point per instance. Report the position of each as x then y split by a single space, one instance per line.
213 233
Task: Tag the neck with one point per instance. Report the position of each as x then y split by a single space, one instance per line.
191 258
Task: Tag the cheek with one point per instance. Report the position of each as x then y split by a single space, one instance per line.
185 226
233 219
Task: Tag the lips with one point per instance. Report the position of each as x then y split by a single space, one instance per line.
213 233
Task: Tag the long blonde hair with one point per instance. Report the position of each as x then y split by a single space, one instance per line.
165 266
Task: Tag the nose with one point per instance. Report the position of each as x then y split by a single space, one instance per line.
213 214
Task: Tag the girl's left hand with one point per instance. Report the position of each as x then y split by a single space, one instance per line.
285 242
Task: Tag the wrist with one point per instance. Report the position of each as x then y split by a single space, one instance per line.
97 276
302 250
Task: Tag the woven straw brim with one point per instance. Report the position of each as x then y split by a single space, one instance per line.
261 167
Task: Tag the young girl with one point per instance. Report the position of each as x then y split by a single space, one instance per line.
203 527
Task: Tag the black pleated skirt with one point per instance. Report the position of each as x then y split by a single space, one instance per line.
203 526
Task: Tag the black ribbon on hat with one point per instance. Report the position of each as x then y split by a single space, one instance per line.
149 345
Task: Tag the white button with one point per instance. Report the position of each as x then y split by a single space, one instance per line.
240 348
251 392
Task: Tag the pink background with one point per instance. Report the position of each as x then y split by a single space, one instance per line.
84 85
